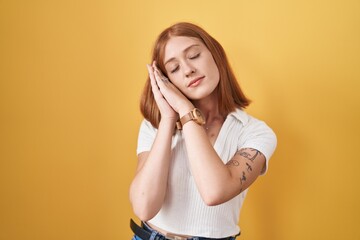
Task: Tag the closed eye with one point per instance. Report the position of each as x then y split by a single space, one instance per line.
175 69
191 57
195 56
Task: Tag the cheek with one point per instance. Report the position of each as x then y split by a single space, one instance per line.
217 73
214 71
175 81
210 65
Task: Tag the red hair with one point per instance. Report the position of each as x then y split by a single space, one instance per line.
229 92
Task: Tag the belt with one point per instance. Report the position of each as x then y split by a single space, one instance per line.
146 235
139 231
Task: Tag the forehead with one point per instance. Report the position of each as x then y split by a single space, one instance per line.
176 46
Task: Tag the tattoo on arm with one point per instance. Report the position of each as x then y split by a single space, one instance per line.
233 163
249 156
249 168
243 178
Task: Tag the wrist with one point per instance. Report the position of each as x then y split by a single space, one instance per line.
168 120
194 115
185 110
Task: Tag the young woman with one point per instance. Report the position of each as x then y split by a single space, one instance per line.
198 151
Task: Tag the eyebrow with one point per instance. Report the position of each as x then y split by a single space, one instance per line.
185 50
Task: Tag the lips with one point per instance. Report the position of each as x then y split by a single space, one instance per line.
195 82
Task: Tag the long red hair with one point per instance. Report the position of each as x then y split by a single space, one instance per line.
229 92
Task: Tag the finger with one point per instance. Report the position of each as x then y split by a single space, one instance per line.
154 86
153 83
150 71
160 79
161 75
162 82
158 74
152 76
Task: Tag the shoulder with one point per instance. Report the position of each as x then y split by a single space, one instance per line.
252 127
147 126
246 120
146 136
146 131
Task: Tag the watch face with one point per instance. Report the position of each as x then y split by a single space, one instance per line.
199 117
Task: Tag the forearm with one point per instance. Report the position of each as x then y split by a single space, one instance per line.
212 177
148 189
218 182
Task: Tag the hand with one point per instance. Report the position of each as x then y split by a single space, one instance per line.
171 93
166 110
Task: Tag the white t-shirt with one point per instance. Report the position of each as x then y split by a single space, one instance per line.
183 211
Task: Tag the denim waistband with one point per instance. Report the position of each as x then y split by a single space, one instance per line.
159 236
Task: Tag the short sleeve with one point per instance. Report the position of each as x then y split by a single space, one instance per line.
258 135
146 137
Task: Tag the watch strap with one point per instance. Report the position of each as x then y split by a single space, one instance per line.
194 115
184 119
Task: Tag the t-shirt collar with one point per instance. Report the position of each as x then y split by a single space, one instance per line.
240 115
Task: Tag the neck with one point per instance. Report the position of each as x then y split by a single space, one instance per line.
209 108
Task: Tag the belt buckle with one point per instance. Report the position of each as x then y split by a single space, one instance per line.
174 237
179 238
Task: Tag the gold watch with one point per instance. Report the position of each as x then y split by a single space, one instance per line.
194 115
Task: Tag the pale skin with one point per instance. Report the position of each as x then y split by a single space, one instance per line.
216 182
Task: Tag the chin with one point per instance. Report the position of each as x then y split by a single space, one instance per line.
200 92
198 96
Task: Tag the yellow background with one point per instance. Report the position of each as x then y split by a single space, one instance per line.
71 73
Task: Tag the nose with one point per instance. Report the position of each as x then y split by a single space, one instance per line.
188 69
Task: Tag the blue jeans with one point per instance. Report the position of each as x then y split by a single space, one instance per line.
158 236
163 238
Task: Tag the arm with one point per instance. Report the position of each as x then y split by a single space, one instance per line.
217 182
148 189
